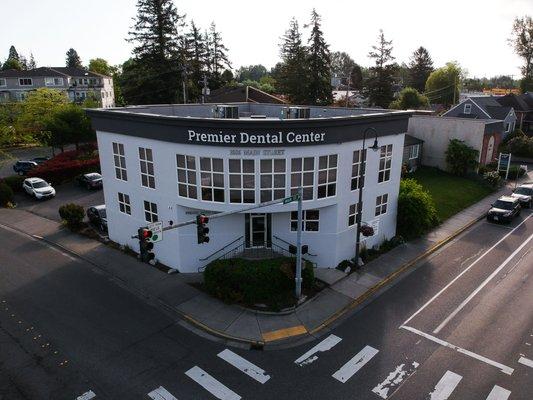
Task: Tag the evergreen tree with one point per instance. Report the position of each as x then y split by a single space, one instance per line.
217 58
291 73
319 61
379 83
13 60
197 67
31 63
420 67
73 59
356 77
13 54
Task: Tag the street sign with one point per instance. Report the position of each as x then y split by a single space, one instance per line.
294 197
157 231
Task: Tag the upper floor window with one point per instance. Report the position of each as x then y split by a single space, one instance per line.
358 167
381 204
186 176
310 220
413 151
507 127
150 212
272 176
241 181
3 82
468 108
146 161
120 161
302 174
212 179
385 161
327 176
25 82
53 81
124 204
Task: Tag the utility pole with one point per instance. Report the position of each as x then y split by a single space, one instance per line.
298 278
205 89
348 89
184 83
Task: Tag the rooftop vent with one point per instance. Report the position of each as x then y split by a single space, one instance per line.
298 113
224 111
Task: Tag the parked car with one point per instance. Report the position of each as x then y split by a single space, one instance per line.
92 180
22 167
38 188
524 193
97 215
40 160
504 209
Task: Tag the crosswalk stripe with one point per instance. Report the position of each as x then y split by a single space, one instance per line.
355 364
161 394
445 387
526 361
325 345
87 396
393 381
498 393
210 384
244 365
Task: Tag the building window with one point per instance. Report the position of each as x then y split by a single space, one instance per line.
385 160
53 81
241 181
468 108
120 161
381 204
302 174
3 82
507 127
212 179
186 176
327 176
352 214
146 161
358 162
25 82
272 176
413 151
124 203
150 211
310 220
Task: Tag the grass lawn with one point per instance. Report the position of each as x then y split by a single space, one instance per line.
450 193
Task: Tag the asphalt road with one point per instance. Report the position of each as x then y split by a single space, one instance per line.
460 326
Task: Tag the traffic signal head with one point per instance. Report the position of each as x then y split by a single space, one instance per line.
145 245
201 229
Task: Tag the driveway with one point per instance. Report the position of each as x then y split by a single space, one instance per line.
8 157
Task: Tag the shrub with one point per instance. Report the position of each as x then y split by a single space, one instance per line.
520 145
72 214
14 182
255 281
6 194
416 210
492 179
460 157
514 172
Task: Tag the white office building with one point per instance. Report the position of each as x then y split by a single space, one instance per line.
170 163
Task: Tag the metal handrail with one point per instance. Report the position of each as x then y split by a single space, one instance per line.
222 248
290 244
223 256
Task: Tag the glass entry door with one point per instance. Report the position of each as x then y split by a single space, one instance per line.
258 231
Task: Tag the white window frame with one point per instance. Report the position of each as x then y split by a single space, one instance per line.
352 214
119 159
467 109
209 175
298 176
124 203
186 176
21 79
507 127
381 204
51 81
385 158
146 164
3 80
358 161
414 151
241 190
306 221
272 190
150 211
327 176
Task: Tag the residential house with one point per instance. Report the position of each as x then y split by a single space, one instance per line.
523 107
77 83
412 152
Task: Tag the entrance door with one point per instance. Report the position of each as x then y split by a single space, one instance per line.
490 150
258 232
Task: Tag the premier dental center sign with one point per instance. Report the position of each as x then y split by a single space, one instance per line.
244 138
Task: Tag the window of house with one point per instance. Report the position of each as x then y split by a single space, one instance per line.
22 96
358 162
272 177
468 108
241 181
302 174
352 214
413 151
25 82
186 166
507 127
85 81
3 82
53 81
120 161
381 204
150 211
310 220
327 176
385 160
124 203
146 161
212 179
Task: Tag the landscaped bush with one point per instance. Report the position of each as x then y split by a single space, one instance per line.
72 214
492 179
460 157
14 182
416 210
250 282
6 195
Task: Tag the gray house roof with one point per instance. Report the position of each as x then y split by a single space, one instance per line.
487 107
49 72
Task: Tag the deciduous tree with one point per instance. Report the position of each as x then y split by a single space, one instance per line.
522 42
410 99
443 85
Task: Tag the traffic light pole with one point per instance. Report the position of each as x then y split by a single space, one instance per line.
298 278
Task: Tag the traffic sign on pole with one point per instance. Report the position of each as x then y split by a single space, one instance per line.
157 231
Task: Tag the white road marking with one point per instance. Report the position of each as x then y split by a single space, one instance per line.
87 396
325 345
478 289
505 369
526 361
161 394
465 270
355 364
210 384
393 381
244 365
498 393
445 386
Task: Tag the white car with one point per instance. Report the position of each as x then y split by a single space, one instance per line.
38 188
524 193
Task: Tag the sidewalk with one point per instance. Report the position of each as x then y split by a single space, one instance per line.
231 322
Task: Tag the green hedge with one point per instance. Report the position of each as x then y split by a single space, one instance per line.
14 182
250 282
72 214
6 195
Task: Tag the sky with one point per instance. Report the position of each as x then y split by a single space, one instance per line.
473 32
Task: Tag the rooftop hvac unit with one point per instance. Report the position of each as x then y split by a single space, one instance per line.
298 113
223 111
